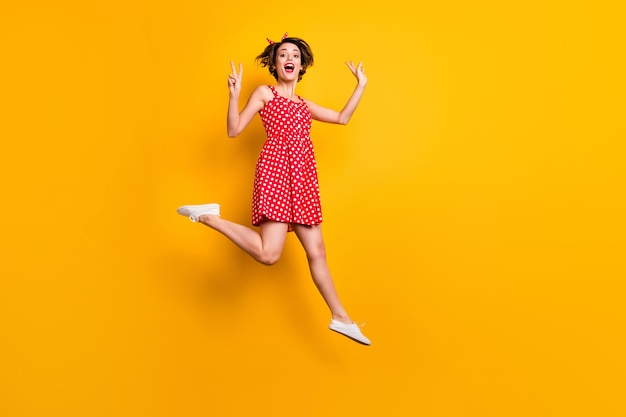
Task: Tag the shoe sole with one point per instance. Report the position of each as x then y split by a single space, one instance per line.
352 338
187 211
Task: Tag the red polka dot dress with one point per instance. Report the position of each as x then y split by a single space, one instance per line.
286 187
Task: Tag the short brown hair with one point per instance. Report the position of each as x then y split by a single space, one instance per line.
268 56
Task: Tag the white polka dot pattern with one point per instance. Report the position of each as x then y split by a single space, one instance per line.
286 187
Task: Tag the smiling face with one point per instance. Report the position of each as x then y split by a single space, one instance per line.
288 61
292 57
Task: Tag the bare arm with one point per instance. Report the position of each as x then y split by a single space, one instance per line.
237 121
342 117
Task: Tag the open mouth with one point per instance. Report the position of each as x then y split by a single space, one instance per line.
289 68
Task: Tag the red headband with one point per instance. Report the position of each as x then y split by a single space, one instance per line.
272 42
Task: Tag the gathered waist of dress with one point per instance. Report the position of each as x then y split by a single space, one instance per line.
288 138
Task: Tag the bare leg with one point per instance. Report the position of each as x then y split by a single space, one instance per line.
265 247
313 244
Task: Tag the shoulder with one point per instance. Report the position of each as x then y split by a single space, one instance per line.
264 92
259 97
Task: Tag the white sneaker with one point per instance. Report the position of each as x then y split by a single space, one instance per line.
193 212
350 330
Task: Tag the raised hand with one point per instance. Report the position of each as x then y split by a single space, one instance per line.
234 79
358 72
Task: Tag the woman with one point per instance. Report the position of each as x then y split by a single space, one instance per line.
286 191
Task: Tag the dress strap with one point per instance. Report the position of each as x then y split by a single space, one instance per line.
275 92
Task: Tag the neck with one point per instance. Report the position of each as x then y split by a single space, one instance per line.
289 89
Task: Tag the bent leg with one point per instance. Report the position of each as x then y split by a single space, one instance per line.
313 244
265 247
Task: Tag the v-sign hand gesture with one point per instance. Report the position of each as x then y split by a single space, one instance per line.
234 79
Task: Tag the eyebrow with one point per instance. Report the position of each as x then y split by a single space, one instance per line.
285 49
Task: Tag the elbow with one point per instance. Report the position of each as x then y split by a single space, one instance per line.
343 118
233 133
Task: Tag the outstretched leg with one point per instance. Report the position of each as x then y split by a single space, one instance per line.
265 247
313 244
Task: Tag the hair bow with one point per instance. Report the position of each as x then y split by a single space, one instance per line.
271 42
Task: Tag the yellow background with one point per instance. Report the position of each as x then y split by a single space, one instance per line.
474 212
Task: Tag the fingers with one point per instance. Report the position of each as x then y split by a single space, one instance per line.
234 70
234 78
355 69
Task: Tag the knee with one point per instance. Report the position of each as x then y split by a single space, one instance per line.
318 252
269 258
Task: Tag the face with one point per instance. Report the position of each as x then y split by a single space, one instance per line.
288 63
